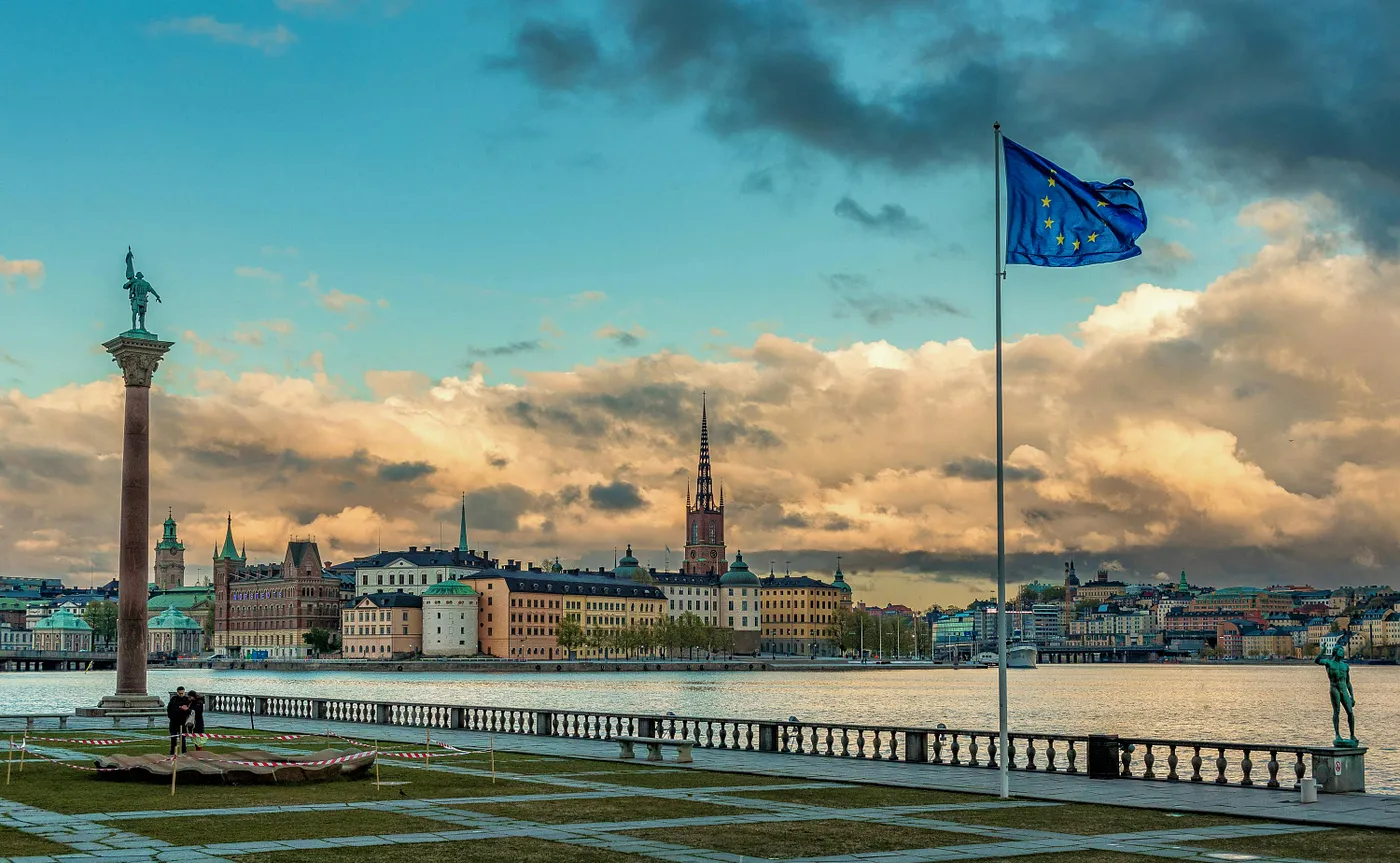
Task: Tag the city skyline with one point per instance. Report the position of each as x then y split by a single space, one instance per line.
520 293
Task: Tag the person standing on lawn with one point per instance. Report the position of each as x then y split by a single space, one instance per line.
196 721
177 711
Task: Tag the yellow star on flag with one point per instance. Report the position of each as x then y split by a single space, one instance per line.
1045 201
1103 203
1093 237
1049 222
1060 240
1076 245
1051 179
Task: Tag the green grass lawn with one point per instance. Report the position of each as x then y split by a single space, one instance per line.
847 797
285 825
17 843
1340 845
657 777
777 841
60 789
480 851
1084 819
534 765
605 809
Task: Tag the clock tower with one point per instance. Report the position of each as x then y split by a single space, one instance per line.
704 520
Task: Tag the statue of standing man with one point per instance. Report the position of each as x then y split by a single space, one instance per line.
136 289
1339 678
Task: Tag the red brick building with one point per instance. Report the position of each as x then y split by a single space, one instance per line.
272 606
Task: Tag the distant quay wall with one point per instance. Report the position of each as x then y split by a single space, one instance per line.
505 666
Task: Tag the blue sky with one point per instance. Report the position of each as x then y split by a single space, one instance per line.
380 149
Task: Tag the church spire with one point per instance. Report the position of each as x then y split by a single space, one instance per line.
230 551
462 537
704 484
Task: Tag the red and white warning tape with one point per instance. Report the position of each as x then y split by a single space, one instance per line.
341 760
103 741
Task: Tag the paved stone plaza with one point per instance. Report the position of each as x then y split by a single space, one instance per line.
642 810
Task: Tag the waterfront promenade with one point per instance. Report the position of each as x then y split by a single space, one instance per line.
540 807
1375 810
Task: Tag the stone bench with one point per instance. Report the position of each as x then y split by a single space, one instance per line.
30 717
653 745
149 715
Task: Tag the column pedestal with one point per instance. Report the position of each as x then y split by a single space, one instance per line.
137 353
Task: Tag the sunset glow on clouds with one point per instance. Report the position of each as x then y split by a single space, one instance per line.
1244 432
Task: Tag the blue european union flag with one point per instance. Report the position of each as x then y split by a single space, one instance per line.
1054 219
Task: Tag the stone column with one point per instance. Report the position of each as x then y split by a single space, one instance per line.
138 358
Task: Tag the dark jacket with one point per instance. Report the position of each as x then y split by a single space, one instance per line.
177 709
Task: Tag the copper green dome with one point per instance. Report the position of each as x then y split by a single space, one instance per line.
739 574
629 568
839 581
173 618
62 619
451 587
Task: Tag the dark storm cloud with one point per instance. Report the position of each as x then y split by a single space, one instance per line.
758 183
507 350
983 469
31 468
1164 89
405 471
616 496
498 507
557 56
891 219
855 295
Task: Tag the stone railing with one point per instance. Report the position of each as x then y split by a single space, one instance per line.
1095 756
1241 764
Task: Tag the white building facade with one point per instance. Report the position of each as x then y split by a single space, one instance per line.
450 614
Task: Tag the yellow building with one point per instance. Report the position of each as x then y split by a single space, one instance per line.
799 613
382 626
524 623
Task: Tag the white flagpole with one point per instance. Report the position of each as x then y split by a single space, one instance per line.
1003 762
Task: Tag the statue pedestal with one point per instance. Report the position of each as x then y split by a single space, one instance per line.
1339 770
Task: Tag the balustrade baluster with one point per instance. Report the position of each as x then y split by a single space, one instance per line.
1220 765
938 749
1125 755
991 751
1050 766
1148 759
1298 772
1171 764
1245 767
1196 765
955 760
1030 754
1072 757
972 750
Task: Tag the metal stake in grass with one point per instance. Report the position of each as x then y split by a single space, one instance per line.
428 746
492 742
10 760
377 783
23 745
174 769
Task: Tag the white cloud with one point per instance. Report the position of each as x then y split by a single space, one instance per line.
585 298
257 273
273 40
31 271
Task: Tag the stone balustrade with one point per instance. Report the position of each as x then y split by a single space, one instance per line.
1097 756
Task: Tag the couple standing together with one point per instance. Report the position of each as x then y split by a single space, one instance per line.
186 715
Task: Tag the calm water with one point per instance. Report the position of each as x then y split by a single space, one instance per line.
1267 704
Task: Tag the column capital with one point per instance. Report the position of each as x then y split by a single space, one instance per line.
137 358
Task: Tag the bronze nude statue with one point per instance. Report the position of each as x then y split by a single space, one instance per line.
1339 678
